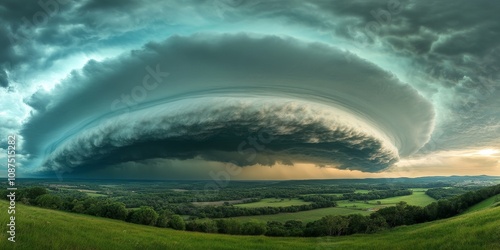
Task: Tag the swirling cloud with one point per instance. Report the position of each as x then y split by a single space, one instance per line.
317 103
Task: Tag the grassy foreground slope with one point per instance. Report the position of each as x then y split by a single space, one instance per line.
492 201
38 228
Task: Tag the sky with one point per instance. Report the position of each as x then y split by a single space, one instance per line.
240 89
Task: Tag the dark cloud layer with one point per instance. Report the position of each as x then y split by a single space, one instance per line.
377 119
253 131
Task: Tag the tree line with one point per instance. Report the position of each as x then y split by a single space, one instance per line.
448 192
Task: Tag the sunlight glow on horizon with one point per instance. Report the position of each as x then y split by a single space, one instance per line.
487 152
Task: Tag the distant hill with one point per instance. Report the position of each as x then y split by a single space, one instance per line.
38 228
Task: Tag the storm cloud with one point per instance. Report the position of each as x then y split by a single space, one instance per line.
221 89
346 84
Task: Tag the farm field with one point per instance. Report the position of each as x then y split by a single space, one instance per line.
96 195
359 205
273 202
305 216
91 193
362 191
418 198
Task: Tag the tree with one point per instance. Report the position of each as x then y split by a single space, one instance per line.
205 225
49 201
94 209
78 208
176 222
294 228
431 211
34 192
389 215
253 228
114 210
144 215
229 226
275 228
376 223
164 218
357 224
334 224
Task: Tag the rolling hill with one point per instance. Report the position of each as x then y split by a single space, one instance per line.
38 228
490 202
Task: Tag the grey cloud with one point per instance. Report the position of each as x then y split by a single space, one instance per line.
452 46
214 129
106 5
236 66
4 81
39 100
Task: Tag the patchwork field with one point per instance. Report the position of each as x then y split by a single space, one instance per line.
344 207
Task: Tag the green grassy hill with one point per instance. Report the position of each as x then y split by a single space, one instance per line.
48 229
490 202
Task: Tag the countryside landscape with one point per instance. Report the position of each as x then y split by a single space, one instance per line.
310 214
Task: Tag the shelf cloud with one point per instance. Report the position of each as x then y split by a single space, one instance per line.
216 91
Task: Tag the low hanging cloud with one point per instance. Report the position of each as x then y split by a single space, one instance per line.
221 129
318 104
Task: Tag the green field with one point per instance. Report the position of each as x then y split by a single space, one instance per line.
418 198
492 201
359 205
273 202
38 228
91 193
419 189
96 195
305 216
361 191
